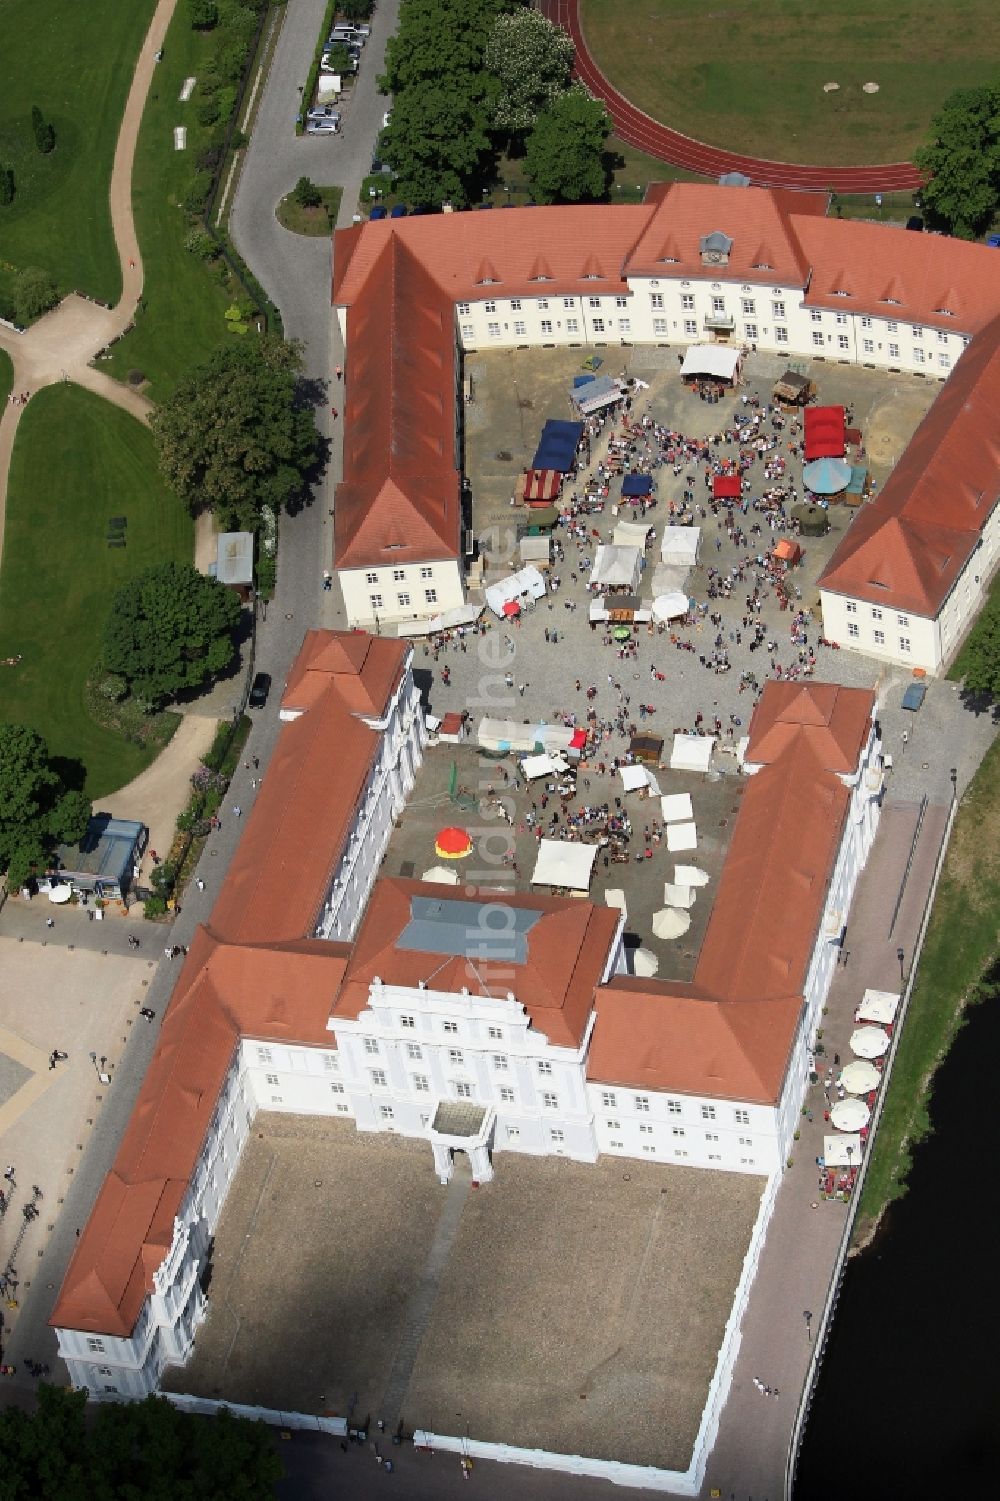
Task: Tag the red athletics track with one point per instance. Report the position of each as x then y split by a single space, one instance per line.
637 129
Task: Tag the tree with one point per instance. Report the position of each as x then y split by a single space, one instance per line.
306 193
441 43
979 662
130 1449
34 293
45 136
37 809
7 186
203 14
357 10
564 154
531 60
170 630
436 142
338 59
234 437
962 160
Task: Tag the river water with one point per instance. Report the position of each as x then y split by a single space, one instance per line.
908 1400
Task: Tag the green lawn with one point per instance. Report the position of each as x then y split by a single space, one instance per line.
960 946
75 61
751 77
184 299
77 462
6 377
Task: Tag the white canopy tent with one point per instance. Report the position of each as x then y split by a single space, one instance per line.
692 752
616 567
448 620
690 875
678 896
670 606
633 777
841 1151
594 394
562 864
681 836
669 580
543 766
441 876
670 923
527 583
878 1006
614 896
717 361
676 807
630 534
680 545
644 963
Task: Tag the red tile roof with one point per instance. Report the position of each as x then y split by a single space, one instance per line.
731 1030
760 224
567 954
906 548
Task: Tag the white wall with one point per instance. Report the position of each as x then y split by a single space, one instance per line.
384 596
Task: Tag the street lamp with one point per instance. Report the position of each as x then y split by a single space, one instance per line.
900 956
954 782
807 1315
101 1070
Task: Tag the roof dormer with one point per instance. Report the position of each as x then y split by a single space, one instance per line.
715 248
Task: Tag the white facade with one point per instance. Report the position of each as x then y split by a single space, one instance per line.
387 595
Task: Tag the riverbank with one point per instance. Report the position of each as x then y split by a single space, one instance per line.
959 952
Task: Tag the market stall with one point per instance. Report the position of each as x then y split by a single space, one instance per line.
825 433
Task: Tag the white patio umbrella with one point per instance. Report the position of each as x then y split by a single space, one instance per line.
859 1078
441 875
850 1114
60 894
670 922
678 896
869 1042
644 963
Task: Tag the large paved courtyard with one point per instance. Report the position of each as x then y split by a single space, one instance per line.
578 1308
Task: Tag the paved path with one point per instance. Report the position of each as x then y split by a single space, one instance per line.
668 145
61 345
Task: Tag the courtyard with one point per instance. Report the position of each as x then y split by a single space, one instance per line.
572 1307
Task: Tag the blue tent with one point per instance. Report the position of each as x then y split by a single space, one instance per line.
637 484
557 447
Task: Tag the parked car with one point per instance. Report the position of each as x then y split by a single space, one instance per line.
259 689
378 212
323 112
328 127
386 118
398 211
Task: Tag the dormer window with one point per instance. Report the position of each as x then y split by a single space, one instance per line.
669 260
715 248
762 266
944 312
840 292
892 301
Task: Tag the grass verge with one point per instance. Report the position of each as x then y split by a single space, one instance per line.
77 461
76 63
6 376
754 83
991 608
310 221
960 946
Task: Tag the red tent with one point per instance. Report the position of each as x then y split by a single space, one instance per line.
726 487
825 433
788 551
578 740
541 486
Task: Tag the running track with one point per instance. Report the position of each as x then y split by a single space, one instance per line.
637 129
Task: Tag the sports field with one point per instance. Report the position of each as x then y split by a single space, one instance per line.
75 62
750 77
78 461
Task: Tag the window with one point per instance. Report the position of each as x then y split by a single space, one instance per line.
572 325
818 337
96 1346
569 302
868 346
403 599
715 1156
430 596
512 1133
841 319
542 304
918 333
781 335
597 324
272 1079
264 1055
330 1060
708 1112
104 1370
902 619
750 331
594 302
879 637
500 1063
420 1083
407 1021
904 643
386 1112
645 1130
624 326
942 337
507 1095
371 1044
876 613
944 361
378 1078
711 1136
641 1102
113 1389
677 1131
455 1056
656 300
747 306
463 309
493 329
550 1101
687 302
660 328
489 306
853 630
371 578
777 309
520 329
375 600
451 1027
815 315
468 332
427 573
609 1099
918 356
557 1137
745 1141
413 1050
843 342
866 323
613 1125
462 1091
398 575
894 351
544 1067
673 1107
621 302
690 327
718 304
741 1117
852 607
515 304
336 1089
546 326
495 1034
649 1150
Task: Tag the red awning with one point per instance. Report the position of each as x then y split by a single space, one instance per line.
541 485
825 433
726 486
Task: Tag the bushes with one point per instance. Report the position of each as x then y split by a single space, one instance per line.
34 293
7 187
45 136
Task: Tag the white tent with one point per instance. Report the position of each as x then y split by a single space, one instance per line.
878 1006
630 534
633 777
669 923
538 766
448 620
562 864
441 875
644 963
616 567
681 836
678 896
669 580
718 361
841 1151
670 606
690 875
528 583
535 550
676 807
691 752
603 391
614 896
680 545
